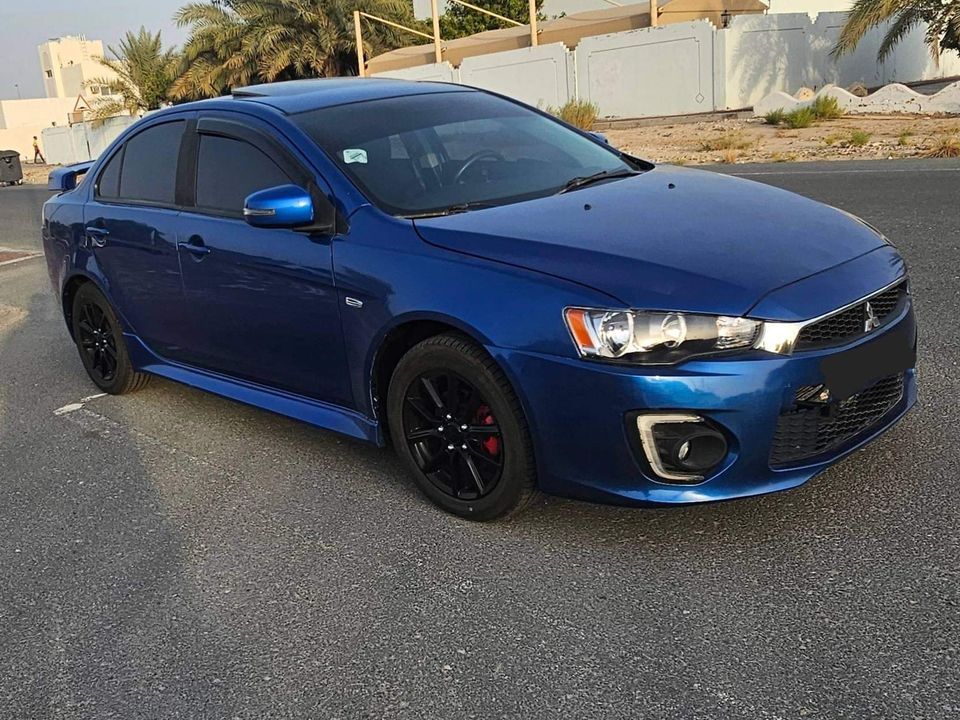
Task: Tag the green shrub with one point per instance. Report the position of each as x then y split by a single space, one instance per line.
581 113
826 108
774 117
858 138
800 118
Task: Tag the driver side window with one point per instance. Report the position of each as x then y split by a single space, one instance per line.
229 170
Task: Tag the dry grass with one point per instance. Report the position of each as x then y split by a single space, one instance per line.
580 113
783 157
730 156
947 146
728 141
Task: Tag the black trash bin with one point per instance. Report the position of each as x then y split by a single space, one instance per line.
11 172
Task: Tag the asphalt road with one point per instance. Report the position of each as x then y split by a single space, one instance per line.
170 554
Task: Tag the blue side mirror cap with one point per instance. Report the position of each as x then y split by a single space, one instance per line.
600 136
284 206
68 177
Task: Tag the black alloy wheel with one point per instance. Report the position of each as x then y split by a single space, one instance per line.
452 435
99 339
457 424
96 339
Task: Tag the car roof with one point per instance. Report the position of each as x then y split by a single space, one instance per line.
296 96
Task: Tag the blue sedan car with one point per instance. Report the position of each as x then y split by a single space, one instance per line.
510 302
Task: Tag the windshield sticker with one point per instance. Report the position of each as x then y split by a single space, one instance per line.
355 155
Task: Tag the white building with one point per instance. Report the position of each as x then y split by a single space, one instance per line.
69 63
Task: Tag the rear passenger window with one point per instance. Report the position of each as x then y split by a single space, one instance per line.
150 164
109 184
229 170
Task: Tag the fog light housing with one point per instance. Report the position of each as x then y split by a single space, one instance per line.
680 447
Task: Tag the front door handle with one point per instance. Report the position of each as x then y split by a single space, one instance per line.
195 246
96 235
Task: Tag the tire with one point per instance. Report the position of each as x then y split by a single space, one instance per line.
100 343
479 464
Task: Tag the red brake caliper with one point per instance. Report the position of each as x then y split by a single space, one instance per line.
485 417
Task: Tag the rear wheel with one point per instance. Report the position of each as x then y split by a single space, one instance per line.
459 428
99 339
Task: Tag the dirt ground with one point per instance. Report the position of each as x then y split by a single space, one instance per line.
729 141
36 174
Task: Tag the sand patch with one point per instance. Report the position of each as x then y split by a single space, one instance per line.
10 316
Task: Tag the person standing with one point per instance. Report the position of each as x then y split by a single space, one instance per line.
37 153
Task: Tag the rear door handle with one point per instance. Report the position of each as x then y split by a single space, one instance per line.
195 246
97 236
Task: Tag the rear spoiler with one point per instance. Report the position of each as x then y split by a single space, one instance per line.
68 177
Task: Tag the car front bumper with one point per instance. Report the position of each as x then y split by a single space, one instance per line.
581 416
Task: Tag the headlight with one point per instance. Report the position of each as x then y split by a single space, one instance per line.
656 338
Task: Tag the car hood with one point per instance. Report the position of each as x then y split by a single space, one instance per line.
669 239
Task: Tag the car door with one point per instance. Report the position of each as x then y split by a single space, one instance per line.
131 226
262 302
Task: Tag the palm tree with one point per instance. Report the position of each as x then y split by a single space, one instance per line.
941 16
238 42
143 75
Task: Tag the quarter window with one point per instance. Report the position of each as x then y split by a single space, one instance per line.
108 186
150 164
229 170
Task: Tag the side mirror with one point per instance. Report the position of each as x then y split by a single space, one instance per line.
284 206
600 136
67 178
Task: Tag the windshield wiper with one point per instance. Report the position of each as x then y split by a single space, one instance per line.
451 210
579 182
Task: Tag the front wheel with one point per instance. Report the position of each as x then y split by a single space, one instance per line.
458 426
101 345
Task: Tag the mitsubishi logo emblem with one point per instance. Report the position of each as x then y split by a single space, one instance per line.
872 322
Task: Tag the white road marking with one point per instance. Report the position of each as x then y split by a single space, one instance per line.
20 259
842 172
73 407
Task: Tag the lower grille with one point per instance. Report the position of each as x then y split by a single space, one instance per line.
814 427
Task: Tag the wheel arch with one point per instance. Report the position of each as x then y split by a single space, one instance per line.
404 334
70 287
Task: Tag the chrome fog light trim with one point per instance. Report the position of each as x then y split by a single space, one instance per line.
645 426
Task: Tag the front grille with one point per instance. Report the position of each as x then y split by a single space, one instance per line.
850 324
814 427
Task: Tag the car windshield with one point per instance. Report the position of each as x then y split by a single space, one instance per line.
455 151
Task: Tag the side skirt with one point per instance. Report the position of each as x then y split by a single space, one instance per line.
321 414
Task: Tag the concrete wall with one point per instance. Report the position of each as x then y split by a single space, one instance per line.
83 141
811 7
692 67
540 76
435 72
765 53
666 70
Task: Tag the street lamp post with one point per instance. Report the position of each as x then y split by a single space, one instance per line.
17 86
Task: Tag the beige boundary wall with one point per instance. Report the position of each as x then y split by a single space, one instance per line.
693 67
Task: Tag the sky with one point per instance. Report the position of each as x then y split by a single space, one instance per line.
24 24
